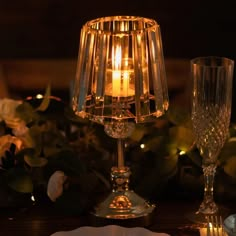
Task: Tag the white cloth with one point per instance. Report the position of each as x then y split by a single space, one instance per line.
109 230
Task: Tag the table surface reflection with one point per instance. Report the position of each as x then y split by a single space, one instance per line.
169 217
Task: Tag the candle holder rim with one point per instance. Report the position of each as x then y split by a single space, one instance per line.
152 24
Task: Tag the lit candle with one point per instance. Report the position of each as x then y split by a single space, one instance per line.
116 71
116 83
211 230
120 77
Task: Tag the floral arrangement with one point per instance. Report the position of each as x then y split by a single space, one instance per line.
46 150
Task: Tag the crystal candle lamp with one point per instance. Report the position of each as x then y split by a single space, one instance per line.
121 81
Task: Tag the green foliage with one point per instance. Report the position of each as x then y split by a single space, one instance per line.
178 116
35 161
58 140
19 180
181 138
229 167
27 113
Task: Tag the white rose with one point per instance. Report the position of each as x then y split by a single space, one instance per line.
8 114
55 185
8 108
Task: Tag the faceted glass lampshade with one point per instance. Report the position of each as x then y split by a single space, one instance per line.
121 81
120 71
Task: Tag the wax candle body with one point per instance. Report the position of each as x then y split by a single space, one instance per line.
211 231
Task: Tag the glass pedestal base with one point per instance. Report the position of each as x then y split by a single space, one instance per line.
201 218
123 205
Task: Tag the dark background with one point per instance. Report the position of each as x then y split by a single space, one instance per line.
51 28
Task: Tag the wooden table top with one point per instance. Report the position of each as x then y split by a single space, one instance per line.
169 217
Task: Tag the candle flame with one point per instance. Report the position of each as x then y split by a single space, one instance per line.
116 56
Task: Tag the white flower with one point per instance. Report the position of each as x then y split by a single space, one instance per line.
55 185
8 108
9 116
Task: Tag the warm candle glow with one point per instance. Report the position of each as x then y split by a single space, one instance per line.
116 71
120 75
212 230
120 81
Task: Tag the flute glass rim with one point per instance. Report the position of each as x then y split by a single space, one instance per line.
206 61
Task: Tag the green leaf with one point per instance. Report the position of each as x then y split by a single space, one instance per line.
28 140
230 167
153 143
46 100
178 116
50 151
34 161
19 180
26 112
232 130
138 133
181 137
228 150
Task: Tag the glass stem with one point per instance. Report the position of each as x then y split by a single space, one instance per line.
208 205
120 152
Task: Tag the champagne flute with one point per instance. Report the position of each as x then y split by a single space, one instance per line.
211 111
